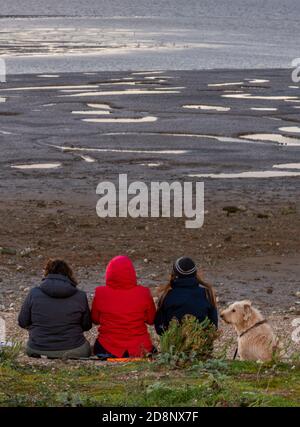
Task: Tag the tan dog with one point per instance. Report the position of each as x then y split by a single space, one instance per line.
256 340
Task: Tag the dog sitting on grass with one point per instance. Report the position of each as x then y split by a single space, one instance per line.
256 339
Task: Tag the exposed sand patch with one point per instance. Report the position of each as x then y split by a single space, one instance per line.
225 84
145 73
146 119
206 107
120 83
73 90
115 150
88 159
170 88
272 137
102 106
263 109
151 165
287 166
124 92
238 95
49 76
15 89
258 81
292 129
266 97
37 166
98 112
251 174
156 78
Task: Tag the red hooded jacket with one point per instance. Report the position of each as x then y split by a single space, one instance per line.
122 309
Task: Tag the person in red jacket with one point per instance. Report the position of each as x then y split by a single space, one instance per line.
123 309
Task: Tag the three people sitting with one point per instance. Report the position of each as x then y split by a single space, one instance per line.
57 314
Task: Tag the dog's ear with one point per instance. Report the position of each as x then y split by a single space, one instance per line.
247 310
247 302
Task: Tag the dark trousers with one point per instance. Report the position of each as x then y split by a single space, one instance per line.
101 351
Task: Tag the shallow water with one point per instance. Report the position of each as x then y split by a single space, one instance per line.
62 35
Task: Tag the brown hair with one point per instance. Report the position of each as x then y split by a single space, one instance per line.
58 266
209 289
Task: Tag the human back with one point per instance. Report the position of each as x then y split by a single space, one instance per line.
186 293
56 313
123 309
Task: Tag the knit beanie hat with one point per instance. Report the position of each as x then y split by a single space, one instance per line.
184 267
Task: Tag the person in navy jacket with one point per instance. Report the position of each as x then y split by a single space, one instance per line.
186 293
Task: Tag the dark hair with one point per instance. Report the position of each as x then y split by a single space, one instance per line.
209 289
58 266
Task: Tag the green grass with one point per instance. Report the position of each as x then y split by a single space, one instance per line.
209 383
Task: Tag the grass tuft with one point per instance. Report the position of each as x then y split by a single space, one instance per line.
187 342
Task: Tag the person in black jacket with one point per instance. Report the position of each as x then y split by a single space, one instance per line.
56 314
187 293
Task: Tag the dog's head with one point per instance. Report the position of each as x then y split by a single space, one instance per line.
237 313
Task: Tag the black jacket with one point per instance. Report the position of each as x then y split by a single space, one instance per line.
185 297
56 313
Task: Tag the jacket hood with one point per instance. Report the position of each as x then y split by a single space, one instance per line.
185 282
58 286
120 273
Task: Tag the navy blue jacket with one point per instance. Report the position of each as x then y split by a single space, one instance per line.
56 314
185 297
